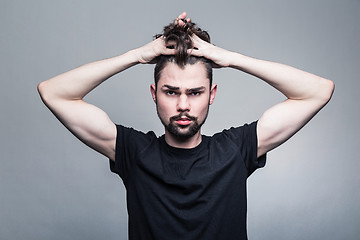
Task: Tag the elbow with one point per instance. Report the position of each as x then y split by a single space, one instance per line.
330 87
40 88
326 90
43 91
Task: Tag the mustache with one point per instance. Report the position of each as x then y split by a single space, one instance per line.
181 115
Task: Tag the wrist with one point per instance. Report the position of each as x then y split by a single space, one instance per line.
222 57
142 54
134 56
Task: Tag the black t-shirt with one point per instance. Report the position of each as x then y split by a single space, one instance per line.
197 193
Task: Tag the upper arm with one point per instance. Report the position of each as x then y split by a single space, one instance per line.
88 123
283 120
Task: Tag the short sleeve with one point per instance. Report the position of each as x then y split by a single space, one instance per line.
129 142
245 137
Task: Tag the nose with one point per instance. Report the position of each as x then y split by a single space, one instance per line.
183 104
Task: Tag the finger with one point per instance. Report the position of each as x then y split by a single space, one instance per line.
171 44
169 51
160 39
196 41
194 52
180 20
182 15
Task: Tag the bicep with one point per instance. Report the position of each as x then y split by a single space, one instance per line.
282 121
88 123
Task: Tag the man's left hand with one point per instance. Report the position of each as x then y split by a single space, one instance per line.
201 48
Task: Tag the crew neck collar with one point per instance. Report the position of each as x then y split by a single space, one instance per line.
185 150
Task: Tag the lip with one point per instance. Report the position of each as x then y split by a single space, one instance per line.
183 121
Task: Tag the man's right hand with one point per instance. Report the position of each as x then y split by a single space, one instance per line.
148 52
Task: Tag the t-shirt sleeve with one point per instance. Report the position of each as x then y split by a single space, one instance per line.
246 139
129 142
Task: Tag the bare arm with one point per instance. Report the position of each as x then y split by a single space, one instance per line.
306 93
64 94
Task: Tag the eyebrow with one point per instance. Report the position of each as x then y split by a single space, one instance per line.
170 87
198 89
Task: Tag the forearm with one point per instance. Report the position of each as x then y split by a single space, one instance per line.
293 83
75 84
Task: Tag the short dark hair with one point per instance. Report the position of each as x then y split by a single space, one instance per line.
180 35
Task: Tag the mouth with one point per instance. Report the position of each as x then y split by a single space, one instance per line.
183 121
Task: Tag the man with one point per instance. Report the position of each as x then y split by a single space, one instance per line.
185 185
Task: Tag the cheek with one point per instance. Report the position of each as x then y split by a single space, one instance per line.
203 108
164 107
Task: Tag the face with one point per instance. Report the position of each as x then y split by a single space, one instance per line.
182 98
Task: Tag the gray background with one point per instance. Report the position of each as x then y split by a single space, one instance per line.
54 187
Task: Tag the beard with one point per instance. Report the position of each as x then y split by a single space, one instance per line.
183 132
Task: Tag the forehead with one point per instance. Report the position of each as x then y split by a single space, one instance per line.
191 76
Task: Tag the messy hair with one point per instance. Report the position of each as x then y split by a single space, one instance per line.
180 35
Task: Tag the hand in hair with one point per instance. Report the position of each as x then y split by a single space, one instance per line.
161 45
201 48
199 42
148 52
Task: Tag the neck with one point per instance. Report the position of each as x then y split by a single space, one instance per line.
183 143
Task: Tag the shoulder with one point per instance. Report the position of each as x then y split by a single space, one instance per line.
130 134
123 130
129 140
243 140
237 134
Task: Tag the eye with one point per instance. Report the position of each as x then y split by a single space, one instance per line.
170 93
194 93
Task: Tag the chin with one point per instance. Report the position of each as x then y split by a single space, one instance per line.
183 133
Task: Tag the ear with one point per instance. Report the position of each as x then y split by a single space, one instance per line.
153 92
212 93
